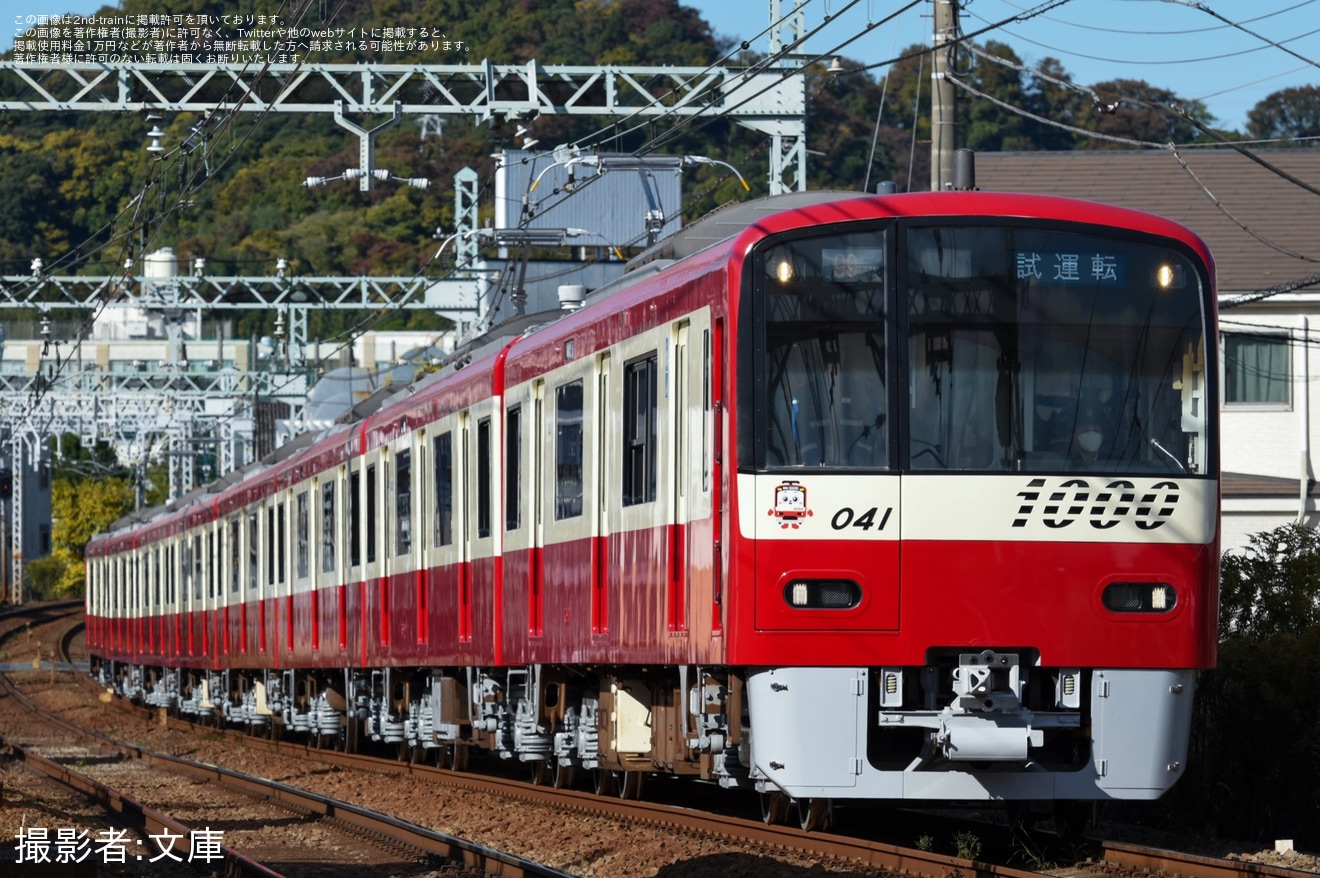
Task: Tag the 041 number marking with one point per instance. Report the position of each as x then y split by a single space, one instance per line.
867 519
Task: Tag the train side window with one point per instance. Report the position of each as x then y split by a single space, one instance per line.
444 488
328 526
282 544
303 553
639 431
198 568
235 576
186 559
354 520
371 514
513 470
270 545
254 559
483 478
403 502
568 451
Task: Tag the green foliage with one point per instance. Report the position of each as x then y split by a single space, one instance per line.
42 578
1289 113
80 509
1273 587
1254 766
967 845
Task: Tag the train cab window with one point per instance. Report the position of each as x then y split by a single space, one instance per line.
483 478
568 451
303 560
1037 350
403 502
443 446
328 527
513 470
640 451
824 394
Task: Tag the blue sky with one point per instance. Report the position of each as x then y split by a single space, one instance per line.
1168 43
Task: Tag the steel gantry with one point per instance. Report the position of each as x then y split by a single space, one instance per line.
770 100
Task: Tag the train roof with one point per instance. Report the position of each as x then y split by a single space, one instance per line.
728 222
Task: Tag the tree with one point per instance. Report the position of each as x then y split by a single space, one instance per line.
983 125
42 578
81 509
1274 587
1290 113
1141 111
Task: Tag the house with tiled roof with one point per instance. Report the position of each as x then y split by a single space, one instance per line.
1263 230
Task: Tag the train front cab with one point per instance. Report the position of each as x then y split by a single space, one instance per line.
939 594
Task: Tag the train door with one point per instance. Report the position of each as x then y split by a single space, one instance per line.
536 448
352 592
197 619
420 487
303 603
602 457
681 483
376 530
712 442
384 524
482 534
568 486
327 554
445 557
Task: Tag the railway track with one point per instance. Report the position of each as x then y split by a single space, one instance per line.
388 834
839 851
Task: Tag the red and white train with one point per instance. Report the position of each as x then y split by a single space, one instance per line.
833 497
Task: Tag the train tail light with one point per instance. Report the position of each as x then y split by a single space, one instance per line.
1139 597
822 594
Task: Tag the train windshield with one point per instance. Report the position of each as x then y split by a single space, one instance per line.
1032 350
825 339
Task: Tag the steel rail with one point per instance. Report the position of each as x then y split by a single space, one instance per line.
393 829
135 814
1158 861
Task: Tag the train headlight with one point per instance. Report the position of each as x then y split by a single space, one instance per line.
1139 597
823 594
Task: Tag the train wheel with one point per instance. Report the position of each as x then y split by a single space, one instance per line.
563 776
813 814
440 755
602 781
403 751
630 784
458 757
774 807
540 772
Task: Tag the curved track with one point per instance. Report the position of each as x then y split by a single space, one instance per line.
1118 858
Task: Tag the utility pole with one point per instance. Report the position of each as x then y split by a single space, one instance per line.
942 116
